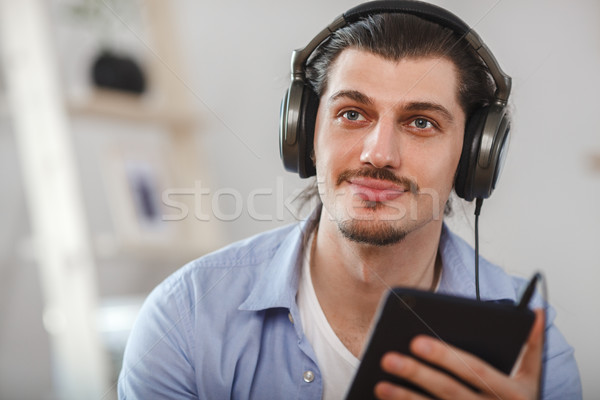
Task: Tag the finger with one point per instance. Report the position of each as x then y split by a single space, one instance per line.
530 365
388 391
434 381
464 365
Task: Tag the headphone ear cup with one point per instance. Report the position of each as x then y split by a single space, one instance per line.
296 129
484 149
306 136
465 173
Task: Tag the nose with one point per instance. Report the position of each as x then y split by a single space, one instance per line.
381 147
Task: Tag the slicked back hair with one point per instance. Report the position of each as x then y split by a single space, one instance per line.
398 36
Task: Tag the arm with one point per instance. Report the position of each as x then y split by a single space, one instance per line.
156 362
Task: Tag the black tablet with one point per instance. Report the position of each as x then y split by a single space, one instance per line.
493 331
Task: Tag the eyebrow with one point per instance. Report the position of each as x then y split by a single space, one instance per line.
412 106
352 95
429 106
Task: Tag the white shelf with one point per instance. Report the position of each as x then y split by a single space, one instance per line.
138 108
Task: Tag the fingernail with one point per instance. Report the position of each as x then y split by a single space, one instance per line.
423 346
392 362
384 390
397 362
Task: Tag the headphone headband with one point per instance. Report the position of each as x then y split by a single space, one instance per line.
426 11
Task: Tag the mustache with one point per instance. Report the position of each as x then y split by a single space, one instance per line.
380 174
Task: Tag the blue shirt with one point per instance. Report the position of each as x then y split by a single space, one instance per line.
227 326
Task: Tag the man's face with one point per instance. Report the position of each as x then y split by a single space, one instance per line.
388 139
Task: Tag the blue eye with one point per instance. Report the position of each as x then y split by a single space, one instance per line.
421 123
353 116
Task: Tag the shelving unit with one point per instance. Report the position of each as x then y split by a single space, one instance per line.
113 104
66 248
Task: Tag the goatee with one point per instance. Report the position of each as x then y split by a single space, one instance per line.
379 235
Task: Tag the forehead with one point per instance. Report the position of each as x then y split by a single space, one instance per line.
432 79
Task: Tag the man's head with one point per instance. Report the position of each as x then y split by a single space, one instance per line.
400 70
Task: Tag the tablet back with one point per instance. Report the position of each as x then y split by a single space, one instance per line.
492 331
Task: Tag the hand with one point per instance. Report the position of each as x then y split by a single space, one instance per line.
523 383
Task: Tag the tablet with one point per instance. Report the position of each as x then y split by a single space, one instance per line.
493 331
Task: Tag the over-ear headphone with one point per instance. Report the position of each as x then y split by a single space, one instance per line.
486 132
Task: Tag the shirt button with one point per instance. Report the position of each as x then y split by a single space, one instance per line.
291 318
309 376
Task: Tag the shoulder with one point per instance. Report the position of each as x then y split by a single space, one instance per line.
458 258
561 372
193 317
236 265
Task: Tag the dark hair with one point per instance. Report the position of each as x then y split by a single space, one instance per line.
397 36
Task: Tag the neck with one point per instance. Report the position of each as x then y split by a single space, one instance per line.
350 277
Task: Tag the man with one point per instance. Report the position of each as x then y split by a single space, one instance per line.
286 314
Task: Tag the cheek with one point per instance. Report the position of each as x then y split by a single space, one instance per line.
318 137
450 166
321 153
327 150
318 145
437 172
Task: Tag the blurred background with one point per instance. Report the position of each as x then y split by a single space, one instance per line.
138 135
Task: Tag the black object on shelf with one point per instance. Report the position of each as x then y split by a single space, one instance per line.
110 71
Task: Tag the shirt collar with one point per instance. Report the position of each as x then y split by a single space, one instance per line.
458 276
278 283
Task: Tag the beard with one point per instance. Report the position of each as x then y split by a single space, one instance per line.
378 234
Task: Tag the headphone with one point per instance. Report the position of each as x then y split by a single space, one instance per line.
486 132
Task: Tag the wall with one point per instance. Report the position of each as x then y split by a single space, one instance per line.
543 215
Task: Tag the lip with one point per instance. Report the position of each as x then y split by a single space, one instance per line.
376 190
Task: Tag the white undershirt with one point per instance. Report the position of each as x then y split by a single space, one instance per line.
337 364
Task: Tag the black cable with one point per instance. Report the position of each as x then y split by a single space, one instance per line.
528 292
478 204
545 347
524 303
525 297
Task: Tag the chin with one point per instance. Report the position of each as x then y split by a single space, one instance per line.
374 211
374 233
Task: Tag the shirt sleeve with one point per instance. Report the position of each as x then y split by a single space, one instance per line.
156 363
561 375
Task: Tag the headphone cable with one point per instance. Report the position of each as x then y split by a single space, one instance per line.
525 297
478 204
523 303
